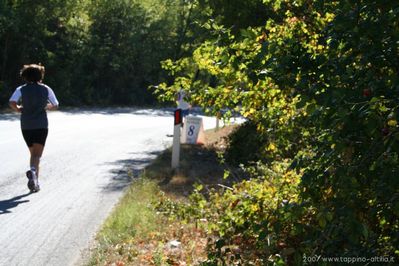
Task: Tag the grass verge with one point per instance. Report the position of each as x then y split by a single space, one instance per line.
136 234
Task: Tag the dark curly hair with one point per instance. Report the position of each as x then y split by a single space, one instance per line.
32 72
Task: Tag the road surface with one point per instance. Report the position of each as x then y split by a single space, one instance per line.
82 177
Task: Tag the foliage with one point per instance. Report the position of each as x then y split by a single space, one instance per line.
319 80
238 14
95 52
29 32
243 145
253 223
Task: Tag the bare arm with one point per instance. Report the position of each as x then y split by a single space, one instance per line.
51 106
15 106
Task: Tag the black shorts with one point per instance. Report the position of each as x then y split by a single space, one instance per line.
32 136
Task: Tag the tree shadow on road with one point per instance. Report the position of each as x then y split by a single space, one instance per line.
129 169
9 116
162 112
122 110
6 205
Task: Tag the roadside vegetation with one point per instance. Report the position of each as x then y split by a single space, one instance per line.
318 83
312 174
143 228
137 234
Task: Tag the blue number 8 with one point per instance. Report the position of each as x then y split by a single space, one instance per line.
191 131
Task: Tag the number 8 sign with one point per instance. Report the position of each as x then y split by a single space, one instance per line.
191 129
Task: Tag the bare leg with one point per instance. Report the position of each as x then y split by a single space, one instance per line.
36 151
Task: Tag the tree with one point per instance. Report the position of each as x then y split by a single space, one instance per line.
95 52
33 32
319 81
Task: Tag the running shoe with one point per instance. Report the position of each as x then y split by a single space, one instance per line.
33 182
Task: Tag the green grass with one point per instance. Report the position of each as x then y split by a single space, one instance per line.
132 212
133 218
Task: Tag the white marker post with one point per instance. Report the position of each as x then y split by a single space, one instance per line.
176 140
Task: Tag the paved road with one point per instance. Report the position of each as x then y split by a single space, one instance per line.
82 177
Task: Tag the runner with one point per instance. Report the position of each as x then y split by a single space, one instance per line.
32 100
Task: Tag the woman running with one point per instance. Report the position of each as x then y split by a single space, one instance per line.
32 100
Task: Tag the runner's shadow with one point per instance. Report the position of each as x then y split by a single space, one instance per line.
6 205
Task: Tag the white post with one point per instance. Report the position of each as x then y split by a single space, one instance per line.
176 140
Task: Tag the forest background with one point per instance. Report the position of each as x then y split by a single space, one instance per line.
95 52
318 82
